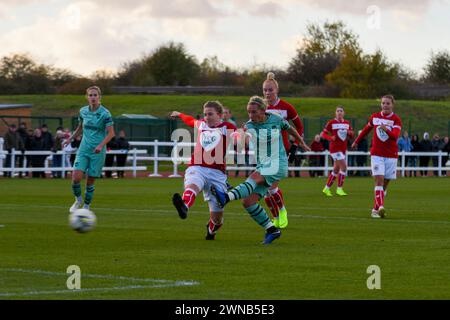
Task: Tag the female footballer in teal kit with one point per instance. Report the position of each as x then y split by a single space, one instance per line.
271 164
96 125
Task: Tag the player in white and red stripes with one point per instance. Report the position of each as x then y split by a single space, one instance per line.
384 151
274 198
337 131
207 165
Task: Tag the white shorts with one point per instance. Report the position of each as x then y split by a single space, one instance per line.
337 156
386 167
204 178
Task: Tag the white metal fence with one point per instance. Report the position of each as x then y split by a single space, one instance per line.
140 160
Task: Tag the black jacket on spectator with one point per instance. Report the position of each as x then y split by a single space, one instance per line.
426 146
48 140
37 161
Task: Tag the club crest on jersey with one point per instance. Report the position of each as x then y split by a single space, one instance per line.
209 139
342 134
382 135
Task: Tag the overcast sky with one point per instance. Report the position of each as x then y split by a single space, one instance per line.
85 36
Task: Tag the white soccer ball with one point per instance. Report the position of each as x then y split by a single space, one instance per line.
82 220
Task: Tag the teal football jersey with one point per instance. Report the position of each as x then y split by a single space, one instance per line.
267 140
94 127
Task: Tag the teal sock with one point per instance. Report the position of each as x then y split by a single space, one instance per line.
243 190
259 215
89 194
76 190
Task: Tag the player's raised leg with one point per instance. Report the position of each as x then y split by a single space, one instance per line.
194 182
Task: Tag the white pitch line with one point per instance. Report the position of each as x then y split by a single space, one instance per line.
158 283
161 211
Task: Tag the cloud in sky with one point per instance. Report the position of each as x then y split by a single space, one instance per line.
88 35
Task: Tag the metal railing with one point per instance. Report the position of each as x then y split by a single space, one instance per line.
153 162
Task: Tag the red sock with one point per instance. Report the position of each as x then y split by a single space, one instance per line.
272 206
331 179
189 197
379 198
341 179
213 227
277 197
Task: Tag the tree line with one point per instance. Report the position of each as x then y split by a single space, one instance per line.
330 62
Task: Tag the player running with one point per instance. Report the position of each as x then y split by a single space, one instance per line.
96 125
271 164
207 165
274 197
384 150
337 131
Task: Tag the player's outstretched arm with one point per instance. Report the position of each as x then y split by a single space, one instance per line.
302 143
188 120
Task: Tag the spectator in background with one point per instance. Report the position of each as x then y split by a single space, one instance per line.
68 151
361 160
47 137
296 159
38 161
12 141
75 144
446 158
122 145
351 162
316 160
24 135
405 145
437 144
109 159
415 148
57 158
425 146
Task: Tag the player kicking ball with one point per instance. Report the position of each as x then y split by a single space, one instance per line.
271 164
337 131
384 150
207 165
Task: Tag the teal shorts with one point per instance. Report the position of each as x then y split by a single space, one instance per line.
281 173
90 163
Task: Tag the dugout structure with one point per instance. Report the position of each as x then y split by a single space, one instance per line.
141 127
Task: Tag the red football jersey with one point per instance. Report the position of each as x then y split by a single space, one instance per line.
383 144
212 143
342 131
287 112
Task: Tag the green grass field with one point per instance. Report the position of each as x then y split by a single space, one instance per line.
142 250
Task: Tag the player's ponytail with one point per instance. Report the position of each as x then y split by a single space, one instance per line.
271 77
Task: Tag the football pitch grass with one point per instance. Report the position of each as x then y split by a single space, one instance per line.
141 249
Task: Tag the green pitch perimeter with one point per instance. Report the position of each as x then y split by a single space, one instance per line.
142 250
